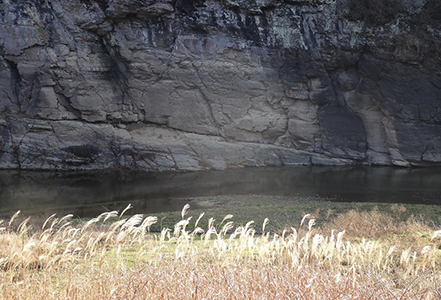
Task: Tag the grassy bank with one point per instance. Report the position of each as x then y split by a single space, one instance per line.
370 253
284 211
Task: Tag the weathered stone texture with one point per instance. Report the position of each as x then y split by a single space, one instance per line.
190 85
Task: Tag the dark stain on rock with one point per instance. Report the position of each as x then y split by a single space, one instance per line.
101 3
83 151
189 6
343 132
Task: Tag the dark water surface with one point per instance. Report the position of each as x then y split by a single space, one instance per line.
87 194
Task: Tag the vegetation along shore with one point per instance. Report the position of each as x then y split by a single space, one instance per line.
365 251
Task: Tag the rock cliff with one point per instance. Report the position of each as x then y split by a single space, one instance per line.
189 85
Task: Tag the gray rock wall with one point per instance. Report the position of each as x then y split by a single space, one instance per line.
190 85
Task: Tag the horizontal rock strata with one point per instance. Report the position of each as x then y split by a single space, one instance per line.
191 85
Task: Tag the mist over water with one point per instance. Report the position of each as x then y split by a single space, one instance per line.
87 194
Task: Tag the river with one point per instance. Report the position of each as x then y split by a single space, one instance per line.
86 194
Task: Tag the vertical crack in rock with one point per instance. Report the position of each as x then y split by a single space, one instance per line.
207 102
15 81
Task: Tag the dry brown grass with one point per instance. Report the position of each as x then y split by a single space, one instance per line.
388 229
368 224
115 258
188 281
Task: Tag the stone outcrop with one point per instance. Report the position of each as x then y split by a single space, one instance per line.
190 85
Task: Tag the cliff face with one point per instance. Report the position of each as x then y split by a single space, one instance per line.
187 85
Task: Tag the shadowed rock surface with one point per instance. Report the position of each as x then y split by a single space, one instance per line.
191 85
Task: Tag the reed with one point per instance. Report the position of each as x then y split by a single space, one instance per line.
116 257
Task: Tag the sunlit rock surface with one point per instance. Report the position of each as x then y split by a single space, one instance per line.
190 85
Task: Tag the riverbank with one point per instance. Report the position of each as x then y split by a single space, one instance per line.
287 210
357 254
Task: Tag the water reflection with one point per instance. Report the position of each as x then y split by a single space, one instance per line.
90 193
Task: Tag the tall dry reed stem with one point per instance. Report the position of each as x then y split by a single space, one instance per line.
110 240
